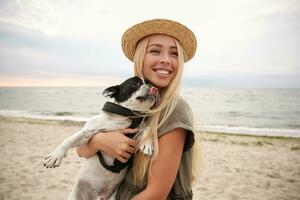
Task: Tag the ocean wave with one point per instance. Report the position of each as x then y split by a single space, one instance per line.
43 115
70 116
251 131
64 113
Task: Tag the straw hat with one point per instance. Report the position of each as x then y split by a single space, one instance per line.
174 29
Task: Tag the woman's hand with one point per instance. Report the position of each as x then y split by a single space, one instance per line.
114 143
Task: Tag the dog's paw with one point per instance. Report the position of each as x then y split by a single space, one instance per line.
55 158
147 147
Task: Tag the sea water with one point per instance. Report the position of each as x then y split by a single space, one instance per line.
258 111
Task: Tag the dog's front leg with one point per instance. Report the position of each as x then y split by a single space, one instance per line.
147 147
81 137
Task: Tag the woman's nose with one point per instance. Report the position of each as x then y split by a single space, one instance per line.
165 59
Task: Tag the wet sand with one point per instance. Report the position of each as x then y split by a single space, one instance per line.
234 166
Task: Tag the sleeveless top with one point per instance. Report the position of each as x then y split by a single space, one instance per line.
181 117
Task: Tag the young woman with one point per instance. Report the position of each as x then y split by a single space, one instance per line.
158 48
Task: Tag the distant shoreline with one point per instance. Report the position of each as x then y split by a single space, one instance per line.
81 123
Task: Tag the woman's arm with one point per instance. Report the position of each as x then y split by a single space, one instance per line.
114 143
165 167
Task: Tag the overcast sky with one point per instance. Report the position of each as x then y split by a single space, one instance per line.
77 43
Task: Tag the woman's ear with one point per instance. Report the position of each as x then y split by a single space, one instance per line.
111 91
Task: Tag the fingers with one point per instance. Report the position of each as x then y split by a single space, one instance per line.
130 149
130 141
125 153
118 144
124 158
129 131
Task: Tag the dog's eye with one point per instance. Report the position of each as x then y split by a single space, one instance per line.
136 84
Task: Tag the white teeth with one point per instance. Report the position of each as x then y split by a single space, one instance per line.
162 71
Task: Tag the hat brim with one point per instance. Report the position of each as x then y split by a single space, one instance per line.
134 34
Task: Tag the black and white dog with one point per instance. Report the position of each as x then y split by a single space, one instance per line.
129 101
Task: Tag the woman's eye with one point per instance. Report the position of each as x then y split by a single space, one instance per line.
174 54
154 51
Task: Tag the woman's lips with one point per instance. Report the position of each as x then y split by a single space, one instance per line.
162 72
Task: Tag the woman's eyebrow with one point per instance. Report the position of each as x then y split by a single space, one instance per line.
158 45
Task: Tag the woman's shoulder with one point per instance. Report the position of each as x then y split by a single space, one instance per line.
182 112
181 117
182 105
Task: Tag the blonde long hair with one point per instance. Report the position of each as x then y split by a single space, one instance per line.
164 107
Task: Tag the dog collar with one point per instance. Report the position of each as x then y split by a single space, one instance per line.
136 116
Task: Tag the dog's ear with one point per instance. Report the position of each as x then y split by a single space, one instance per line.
111 91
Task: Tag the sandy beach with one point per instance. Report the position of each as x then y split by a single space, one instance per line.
234 166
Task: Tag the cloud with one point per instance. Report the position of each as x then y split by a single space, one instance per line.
58 80
73 37
65 18
265 43
25 51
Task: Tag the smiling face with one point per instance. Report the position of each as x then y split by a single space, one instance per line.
161 60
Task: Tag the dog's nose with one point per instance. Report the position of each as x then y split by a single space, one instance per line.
153 90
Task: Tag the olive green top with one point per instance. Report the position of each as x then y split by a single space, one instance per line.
181 117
